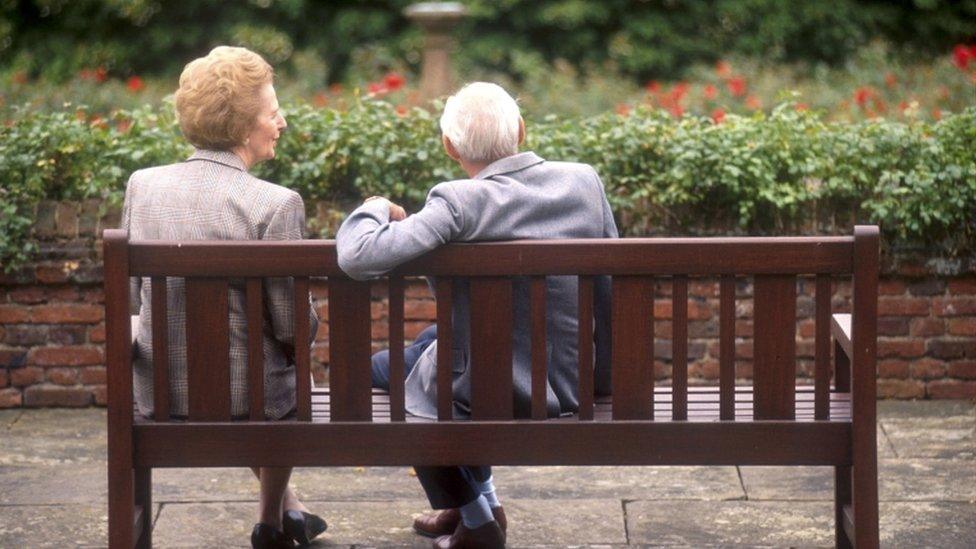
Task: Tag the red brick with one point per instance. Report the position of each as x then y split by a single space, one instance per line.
66 293
805 349
808 328
743 308
926 326
378 310
963 369
952 388
30 294
744 349
22 377
892 326
92 375
952 348
893 368
10 398
661 370
321 335
743 369
962 286
4 378
67 314
96 295
897 388
45 395
14 358
74 355
891 287
706 369
906 348
903 306
416 309
743 328
965 326
379 330
954 306
14 314
100 393
51 274
417 290
320 352
928 368
412 328
929 286
62 376
97 333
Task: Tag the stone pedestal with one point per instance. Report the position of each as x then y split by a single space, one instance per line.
437 19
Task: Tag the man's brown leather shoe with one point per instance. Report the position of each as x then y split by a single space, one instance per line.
486 536
444 523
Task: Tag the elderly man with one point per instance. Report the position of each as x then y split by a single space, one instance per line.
508 195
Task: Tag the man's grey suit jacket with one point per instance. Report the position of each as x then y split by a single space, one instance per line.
518 197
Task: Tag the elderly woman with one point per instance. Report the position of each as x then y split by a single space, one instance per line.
228 110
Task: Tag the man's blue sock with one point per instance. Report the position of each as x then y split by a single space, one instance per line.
476 513
487 489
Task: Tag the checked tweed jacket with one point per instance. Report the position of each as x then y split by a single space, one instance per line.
212 197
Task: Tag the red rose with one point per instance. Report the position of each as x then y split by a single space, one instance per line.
101 74
393 81
376 88
961 56
135 84
862 94
718 115
890 80
623 109
710 92
723 69
737 86
652 86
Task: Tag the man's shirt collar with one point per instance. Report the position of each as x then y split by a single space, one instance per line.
510 164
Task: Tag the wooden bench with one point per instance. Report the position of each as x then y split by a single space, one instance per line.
772 422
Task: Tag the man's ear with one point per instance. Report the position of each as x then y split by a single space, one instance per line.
449 148
521 131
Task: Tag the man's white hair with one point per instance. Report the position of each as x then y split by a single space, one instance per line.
482 122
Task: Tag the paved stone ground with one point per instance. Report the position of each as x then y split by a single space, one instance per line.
53 493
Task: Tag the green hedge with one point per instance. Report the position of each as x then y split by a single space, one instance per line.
788 172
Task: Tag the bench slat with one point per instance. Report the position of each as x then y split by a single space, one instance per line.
255 347
397 366
537 313
585 347
349 349
303 374
774 346
445 342
632 372
679 346
207 349
160 348
491 348
512 443
726 334
822 346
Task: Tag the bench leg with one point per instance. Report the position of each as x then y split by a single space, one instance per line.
842 497
143 499
121 505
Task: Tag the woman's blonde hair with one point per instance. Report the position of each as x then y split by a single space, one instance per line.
219 97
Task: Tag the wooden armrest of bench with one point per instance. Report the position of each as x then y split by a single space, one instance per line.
840 327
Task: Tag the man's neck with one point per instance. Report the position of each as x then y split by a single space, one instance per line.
472 168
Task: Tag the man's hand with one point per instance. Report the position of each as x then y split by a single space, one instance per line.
397 213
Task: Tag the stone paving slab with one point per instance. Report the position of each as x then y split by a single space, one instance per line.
77 484
932 437
57 526
898 480
534 523
51 437
794 524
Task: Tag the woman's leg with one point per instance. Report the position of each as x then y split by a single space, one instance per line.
290 501
274 483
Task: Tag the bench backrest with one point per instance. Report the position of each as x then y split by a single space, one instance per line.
634 264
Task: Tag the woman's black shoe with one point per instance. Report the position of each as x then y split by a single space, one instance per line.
265 536
302 527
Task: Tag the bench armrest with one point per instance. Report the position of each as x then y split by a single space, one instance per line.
840 327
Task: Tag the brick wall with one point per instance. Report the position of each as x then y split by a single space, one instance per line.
52 322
